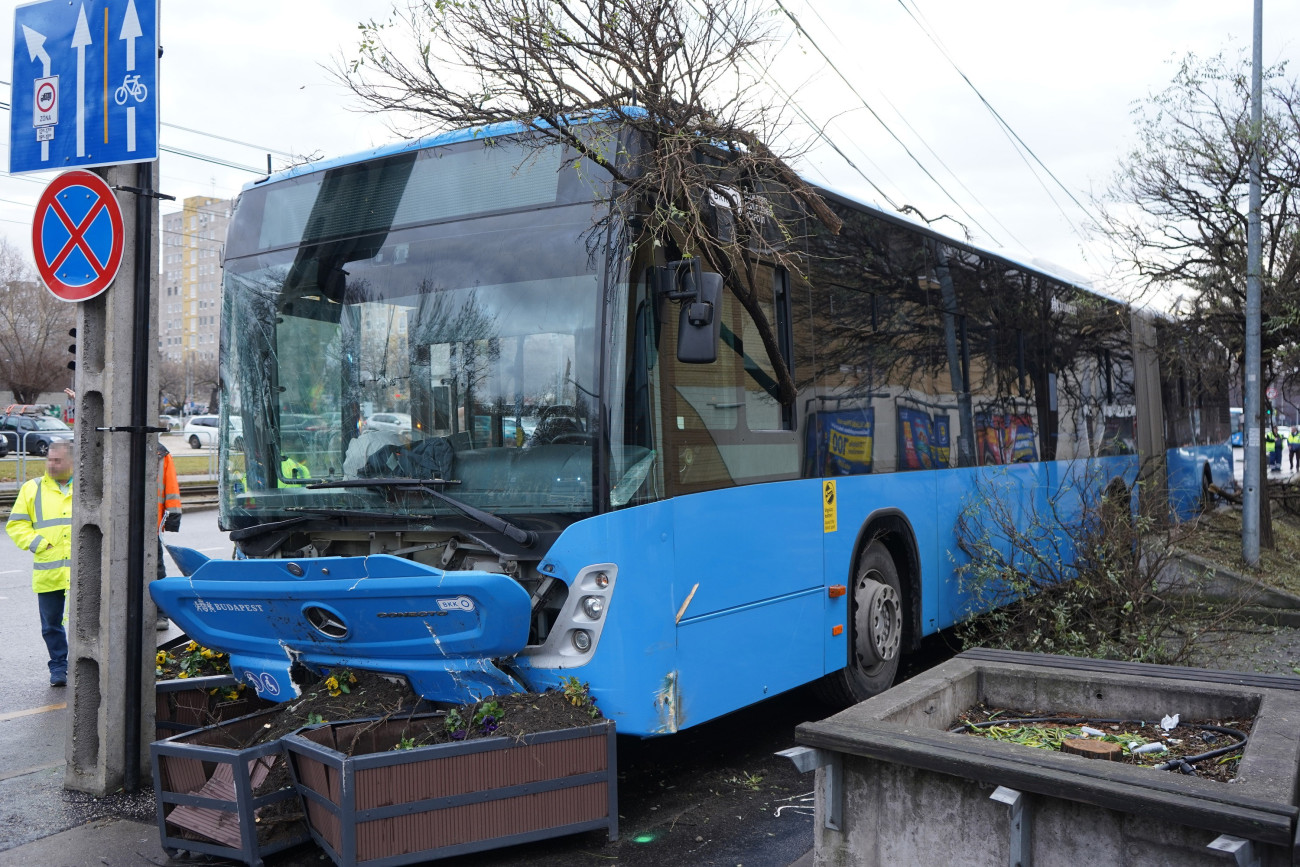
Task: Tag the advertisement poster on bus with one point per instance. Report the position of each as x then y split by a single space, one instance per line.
1005 439
941 445
842 441
914 436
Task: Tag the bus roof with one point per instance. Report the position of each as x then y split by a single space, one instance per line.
514 127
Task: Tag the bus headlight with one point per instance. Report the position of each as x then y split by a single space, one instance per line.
593 606
581 640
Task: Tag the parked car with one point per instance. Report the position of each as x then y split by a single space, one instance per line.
171 422
204 430
397 422
32 433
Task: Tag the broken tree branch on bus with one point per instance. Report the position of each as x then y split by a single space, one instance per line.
688 141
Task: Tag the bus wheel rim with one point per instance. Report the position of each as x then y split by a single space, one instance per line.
879 622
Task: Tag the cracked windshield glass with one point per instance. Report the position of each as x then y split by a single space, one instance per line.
462 354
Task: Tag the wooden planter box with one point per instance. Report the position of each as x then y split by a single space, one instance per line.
187 704
205 793
405 806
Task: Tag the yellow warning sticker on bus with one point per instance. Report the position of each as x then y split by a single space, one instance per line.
828 506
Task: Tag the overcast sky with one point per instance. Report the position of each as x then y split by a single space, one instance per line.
1065 76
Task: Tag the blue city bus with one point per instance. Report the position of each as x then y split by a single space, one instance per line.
587 488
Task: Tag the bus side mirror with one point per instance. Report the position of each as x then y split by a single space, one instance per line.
700 321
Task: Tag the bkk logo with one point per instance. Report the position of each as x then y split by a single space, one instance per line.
460 603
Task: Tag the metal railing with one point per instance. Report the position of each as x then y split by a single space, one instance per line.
194 495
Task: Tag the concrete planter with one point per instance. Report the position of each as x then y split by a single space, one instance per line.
384 807
894 787
205 791
188 703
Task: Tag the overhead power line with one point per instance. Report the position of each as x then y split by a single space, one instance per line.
817 128
246 144
258 147
1003 123
881 121
210 159
813 9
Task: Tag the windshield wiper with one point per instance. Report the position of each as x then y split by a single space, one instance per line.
527 538
268 527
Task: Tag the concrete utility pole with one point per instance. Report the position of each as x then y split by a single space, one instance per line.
111 619
1253 476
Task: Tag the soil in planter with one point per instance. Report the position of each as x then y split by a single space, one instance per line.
1047 729
509 716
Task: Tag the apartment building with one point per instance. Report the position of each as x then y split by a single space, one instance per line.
189 303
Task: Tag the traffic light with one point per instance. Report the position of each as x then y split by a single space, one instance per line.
72 347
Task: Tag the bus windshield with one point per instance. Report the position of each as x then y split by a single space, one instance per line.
463 352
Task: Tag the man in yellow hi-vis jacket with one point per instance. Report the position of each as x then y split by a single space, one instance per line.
41 522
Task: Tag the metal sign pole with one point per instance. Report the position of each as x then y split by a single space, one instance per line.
1252 493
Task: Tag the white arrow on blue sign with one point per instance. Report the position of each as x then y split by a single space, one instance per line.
85 84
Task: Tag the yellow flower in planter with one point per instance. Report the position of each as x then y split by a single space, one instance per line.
162 657
183 674
332 684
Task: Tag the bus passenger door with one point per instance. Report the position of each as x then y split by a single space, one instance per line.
747 531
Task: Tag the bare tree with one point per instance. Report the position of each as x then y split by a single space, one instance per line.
33 331
205 380
699 178
1177 210
171 382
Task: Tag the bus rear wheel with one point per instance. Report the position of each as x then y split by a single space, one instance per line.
876 642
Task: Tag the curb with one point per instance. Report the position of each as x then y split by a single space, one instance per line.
1184 571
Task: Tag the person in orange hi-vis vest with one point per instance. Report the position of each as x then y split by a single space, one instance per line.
169 508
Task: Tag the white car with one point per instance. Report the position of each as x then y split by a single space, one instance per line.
203 430
396 422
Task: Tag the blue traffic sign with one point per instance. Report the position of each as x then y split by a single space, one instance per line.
85 84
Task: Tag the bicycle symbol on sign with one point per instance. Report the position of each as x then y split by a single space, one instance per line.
131 87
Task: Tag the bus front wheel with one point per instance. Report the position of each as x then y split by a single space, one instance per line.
877 637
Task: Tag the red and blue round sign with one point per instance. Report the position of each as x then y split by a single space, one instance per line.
77 236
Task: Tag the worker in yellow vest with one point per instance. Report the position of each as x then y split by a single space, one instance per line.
41 522
291 469
1293 445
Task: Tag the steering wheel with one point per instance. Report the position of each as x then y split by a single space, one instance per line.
574 438
560 410
559 424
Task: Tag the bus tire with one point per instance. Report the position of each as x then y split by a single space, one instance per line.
876 637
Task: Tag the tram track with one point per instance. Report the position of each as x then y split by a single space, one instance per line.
194 495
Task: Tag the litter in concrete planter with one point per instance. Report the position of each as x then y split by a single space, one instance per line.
1208 749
